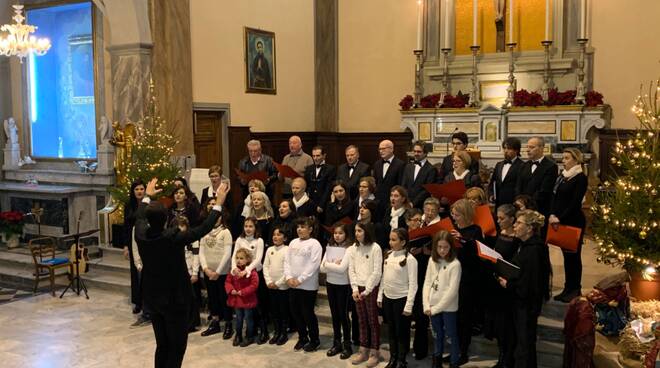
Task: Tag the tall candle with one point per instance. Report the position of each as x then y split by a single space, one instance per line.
511 21
547 20
447 19
583 19
420 22
474 22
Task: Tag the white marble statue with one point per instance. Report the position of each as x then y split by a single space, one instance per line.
105 131
11 132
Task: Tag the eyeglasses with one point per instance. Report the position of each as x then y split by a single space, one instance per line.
457 143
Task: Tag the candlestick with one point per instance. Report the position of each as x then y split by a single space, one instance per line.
445 75
547 74
583 19
474 91
420 22
475 6
511 89
510 21
419 66
547 20
446 44
581 89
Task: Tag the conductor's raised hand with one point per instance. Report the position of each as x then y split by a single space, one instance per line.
221 193
151 188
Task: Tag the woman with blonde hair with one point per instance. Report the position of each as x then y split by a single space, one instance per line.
566 209
461 170
532 286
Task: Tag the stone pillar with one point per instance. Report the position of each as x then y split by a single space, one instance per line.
326 114
131 69
171 67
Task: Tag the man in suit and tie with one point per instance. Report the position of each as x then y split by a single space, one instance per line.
418 173
459 142
502 186
352 171
319 177
165 280
537 176
388 171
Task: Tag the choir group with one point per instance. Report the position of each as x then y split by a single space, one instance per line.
351 226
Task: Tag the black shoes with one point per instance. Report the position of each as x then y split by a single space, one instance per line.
263 338
238 339
300 345
282 339
566 296
393 362
273 340
247 342
312 346
347 351
137 310
334 350
229 331
213 329
193 329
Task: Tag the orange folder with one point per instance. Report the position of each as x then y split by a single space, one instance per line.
487 253
444 224
259 175
286 171
484 218
453 191
564 236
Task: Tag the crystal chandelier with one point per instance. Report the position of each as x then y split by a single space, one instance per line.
18 42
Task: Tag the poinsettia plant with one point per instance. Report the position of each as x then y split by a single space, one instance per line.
459 101
430 101
525 98
11 222
407 102
593 98
560 98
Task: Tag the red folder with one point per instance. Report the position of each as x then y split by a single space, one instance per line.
453 191
564 236
259 175
286 171
444 224
484 218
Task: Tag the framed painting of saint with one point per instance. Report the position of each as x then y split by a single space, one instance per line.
260 69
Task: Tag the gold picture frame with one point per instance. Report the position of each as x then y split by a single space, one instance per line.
424 131
568 130
260 69
493 92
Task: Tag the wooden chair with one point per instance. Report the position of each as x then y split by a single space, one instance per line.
43 255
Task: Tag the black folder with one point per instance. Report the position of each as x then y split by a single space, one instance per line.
507 270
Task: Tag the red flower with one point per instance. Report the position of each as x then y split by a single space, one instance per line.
457 102
593 98
406 103
526 98
560 98
430 101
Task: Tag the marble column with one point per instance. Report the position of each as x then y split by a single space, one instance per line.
171 68
326 115
131 69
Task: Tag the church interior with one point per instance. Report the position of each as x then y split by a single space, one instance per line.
95 94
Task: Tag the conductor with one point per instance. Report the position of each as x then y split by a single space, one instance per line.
166 287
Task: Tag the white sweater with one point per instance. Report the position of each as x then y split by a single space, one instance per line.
274 266
302 261
337 274
440 292
256 246
215 250
192 260
365 266
399 281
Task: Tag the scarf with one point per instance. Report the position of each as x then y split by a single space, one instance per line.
301 201
247 205
394 222
460 177
570 173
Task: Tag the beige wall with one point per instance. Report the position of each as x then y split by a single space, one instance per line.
218 69
376 38
625 37
376 63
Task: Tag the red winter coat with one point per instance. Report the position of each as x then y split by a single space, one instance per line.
248 288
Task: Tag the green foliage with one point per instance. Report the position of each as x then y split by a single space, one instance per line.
625 221
151 155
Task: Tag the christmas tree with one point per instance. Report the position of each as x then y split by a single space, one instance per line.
151 155
625 221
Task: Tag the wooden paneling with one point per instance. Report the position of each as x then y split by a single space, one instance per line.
607 141
208 138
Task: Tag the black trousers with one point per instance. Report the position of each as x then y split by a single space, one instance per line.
279 307
503 320
218 298
261 317
170 324
398 326
195 321
467 303
422 321
524 323
355 322
302 304
338 297
573 268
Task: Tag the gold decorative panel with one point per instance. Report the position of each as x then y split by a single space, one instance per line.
444 128
424 133
568 130
528 27
493 92
532 127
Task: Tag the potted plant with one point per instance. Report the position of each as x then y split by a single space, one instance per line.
626 210
11 227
